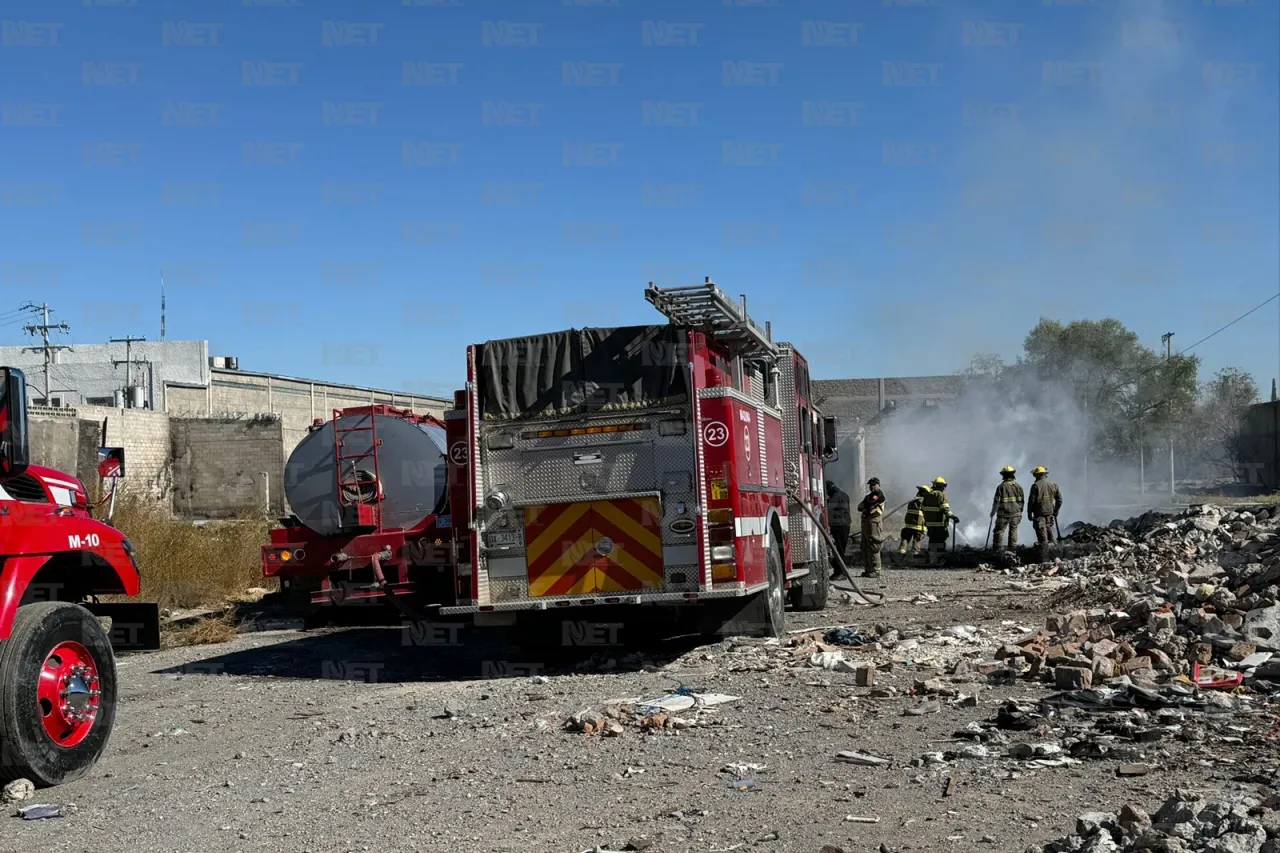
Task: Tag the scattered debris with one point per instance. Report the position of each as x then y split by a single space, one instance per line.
17 791
1186 822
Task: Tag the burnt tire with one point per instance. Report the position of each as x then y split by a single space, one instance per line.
27 749
810 593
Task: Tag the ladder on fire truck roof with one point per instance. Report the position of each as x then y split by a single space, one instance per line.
708 308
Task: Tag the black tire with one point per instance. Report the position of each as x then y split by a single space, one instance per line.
810 593
763 614
26 749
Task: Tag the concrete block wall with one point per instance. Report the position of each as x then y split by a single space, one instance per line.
68 439
298 402
54 438
219 466
144 435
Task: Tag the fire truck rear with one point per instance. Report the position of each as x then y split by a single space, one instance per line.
644 465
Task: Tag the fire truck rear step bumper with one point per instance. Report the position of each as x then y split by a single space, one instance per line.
732 591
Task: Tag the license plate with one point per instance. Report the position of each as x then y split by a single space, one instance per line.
504 538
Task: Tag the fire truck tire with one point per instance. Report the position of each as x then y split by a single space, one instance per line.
763 614
54 651
810 593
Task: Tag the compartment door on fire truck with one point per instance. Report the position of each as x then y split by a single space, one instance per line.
594 547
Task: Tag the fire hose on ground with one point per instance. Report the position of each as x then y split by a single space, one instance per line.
874 599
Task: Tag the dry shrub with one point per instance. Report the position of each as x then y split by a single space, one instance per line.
188 565
202 632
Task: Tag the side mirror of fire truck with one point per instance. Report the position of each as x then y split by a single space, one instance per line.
14 452
830 442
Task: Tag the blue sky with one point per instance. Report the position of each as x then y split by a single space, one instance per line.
894 185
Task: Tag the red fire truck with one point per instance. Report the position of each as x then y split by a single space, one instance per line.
57 669
643 465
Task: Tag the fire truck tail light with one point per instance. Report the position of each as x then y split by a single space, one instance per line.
720 516
285 556
722 554
672 427
723 572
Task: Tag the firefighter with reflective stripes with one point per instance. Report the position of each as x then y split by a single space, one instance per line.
1043 505
937 515
872 509
1007 507
913 528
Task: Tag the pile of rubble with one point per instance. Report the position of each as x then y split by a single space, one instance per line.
1190 601
1146 544
1186 822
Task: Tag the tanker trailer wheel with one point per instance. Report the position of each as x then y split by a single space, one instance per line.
810 592
57 694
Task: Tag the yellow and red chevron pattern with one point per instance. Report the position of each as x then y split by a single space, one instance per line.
594 546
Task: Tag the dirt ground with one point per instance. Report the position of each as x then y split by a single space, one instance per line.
353 740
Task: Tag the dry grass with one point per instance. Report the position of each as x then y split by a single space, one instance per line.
202 632
185 565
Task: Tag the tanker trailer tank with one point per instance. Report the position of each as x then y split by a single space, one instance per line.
410 466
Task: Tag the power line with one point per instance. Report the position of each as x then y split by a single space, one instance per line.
1270 299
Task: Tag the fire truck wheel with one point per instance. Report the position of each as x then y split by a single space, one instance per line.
57 694
810 593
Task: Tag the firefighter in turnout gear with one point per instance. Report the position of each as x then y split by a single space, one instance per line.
937 515
1043 505
1007 507
839 519
913 523
872 509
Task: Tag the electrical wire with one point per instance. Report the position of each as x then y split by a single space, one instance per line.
1270 299
1163 364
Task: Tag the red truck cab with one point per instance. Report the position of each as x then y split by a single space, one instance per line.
58 688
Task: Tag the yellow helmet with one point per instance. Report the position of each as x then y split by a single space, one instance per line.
1008 469
922 490
1039 469
938 481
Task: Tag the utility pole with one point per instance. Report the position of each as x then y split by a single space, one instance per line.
1167 340
128 342
162 305
43 330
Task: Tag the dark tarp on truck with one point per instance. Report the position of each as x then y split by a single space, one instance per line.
583 370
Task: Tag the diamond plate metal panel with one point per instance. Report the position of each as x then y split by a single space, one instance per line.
537 471
688 584
508 589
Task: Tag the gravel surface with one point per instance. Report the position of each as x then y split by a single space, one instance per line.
348 739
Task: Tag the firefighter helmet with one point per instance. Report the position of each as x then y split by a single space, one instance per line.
922 490
1039 469
939 482
1008 469
874 481
830 485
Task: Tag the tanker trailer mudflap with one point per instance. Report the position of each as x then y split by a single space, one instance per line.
135 626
